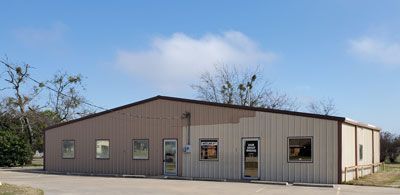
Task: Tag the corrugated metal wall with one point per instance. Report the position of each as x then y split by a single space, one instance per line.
364 137
155 120
348 151
273 131
377 148
160 119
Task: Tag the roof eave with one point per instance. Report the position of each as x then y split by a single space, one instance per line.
336 118
361 124
304 114
101 113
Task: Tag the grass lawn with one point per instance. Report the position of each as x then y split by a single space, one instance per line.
390 177
9 189
36 162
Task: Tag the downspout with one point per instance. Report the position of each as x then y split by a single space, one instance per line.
189 124
188 116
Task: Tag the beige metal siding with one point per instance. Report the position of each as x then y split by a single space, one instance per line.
364 137
120 129
155 120
160 119
273 131
377 148
348 151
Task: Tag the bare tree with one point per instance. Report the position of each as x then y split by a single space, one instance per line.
16 77
22 111
230 86
390 146
276 100
65 100
324 107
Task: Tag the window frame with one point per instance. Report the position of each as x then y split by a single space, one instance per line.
109 149
62 148
312 149
148 149
208 139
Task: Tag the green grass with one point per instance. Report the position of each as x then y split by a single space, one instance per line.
36 162
9 189
390 177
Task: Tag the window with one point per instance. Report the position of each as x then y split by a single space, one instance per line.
68 149
141 149
208 149
300 149
103 149
360 149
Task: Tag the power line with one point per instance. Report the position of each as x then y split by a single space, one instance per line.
130 115
150 117
43 84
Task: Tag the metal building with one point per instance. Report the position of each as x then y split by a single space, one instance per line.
197 139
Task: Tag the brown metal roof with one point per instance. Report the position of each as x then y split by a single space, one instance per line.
336 118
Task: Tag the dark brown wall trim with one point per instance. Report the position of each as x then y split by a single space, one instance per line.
340 152
335 118
254 108
100 113
44 151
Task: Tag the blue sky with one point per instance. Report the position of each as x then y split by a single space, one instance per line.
345 50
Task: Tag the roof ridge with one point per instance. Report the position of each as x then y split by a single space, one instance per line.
260 109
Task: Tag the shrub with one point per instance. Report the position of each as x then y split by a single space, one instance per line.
14 150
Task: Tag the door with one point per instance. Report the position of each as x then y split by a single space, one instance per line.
170 157
251 158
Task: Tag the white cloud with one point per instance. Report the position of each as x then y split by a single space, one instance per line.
41 37
376 51
176 61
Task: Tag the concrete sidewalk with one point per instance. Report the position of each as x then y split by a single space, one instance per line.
68 184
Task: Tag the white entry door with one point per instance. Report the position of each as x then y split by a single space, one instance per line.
251 158
170 157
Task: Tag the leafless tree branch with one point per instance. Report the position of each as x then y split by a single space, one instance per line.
230 86
324 107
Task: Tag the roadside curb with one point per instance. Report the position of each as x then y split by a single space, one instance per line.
172 177
133 176
314 185
209 179
270 182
